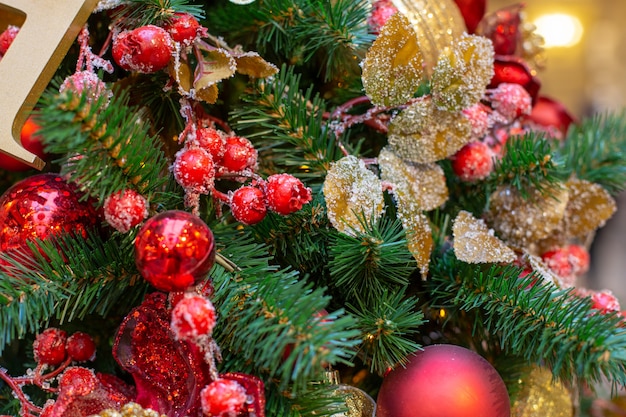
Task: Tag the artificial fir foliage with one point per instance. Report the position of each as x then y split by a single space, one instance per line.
324 146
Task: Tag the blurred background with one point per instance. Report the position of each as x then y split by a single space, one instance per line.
585 69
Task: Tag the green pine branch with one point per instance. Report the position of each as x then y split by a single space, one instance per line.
596 151
104 147
154 12
528 163
533 320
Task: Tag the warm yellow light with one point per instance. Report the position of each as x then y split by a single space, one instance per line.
559 29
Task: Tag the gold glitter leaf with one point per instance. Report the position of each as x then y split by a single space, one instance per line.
425 184
353 194
540 396
462 73
130 410
421 133
521 222
252 65
393 66
436 23
418 232
589 207
475 243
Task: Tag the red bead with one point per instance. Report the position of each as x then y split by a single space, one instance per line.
145 49
193 318
49 347
183 28
174 250
286 194
248 205
443 380
81 347
223 398
194 170
7 37
211 140
125 209
41 206
239 154
31 141
473 162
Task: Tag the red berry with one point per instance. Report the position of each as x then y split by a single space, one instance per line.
478 115
239 154
145 49
473 162
223 398
510 101
183 28
579 259
193 170
193 317
125 209
558 261
211 140
81 347
7 37
248 205
605 301
77 381
49 347
286 194
382 10
79 81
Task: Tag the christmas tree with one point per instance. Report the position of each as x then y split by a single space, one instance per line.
303 208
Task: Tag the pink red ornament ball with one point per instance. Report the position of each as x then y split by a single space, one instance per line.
443 380
174 250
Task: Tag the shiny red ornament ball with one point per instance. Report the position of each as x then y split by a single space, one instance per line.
146 49
49 347
223 398
81 347
174 250
183 28
31 141
193 318
125 209
42 206
473 162
248 205
239 154
443 380
286 194
194 170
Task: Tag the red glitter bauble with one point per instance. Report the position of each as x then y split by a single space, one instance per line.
41 206
443 380
174 250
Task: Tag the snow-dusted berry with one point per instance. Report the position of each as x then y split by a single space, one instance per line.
211 140
145 49
605 301
125 209
239 154
579 258
81 347
7 37
248 205
473 162
49 347
510 101
86 81
77 381
194 170
557 260
478 115
382 10
193 317
183 28
286 194
223 398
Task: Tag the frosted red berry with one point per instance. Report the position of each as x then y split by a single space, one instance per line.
183 28
145 49
248 205
579 259
473 162
510 101
49 347
193 317
605 301
557 260
239 154
223 398
125 209
382 10
7 37
77 381
194 170
85 81
81 347
286 194
213 141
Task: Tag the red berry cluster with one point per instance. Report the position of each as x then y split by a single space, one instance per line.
52 347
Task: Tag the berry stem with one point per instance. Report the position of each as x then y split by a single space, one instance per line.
16 387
